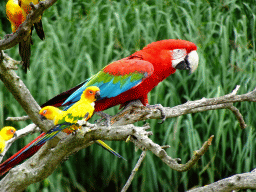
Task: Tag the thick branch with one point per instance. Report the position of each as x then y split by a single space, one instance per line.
43 163
24 29
235 182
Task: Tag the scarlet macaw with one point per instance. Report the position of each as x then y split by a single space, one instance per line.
135 76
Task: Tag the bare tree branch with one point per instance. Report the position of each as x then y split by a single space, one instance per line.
141 113
238 115
45 161
134 171
235 182
23 118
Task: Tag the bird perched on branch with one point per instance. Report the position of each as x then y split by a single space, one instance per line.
64 121
6 134
135 76
16 12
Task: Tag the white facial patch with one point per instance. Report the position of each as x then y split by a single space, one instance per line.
178 55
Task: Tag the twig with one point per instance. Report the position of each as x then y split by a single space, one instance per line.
161 153
239 116
134 171
23 118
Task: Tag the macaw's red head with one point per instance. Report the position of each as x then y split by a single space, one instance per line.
91 94
49 112
8 132
180 54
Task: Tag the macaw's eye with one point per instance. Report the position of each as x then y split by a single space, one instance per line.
90 92
12 130
44 112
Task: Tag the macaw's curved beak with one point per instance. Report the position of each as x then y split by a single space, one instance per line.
97 95
15 134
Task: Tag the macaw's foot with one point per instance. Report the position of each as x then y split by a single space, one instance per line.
160 108
103 116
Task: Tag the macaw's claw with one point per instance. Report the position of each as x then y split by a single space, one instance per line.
161 109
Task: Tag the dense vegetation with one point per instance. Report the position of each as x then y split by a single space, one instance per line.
84 36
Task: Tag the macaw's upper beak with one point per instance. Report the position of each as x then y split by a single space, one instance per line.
190 62
15 134
42 117
97 95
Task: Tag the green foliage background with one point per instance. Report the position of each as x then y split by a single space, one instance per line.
84 36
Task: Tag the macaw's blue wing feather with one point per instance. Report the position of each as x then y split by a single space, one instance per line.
115 79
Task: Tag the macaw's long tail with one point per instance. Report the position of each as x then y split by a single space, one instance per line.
21 155
109 149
